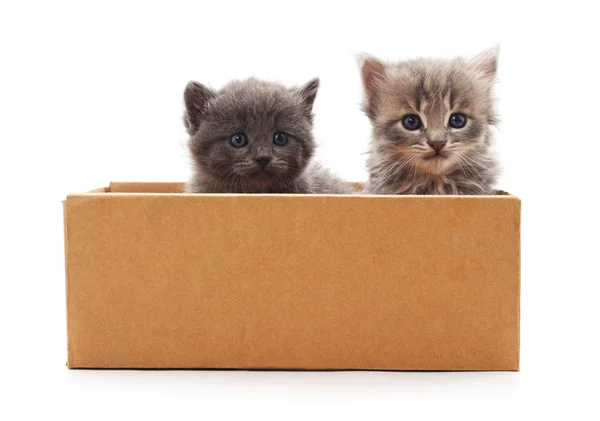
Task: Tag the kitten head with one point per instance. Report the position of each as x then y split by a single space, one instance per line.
429 114
251 134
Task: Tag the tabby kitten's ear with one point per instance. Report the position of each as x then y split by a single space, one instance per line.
195 96
372 73
308 93
485 64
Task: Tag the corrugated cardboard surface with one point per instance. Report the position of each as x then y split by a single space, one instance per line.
167 280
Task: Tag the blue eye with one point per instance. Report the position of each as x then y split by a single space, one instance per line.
457 121
238 140
411 122
280 138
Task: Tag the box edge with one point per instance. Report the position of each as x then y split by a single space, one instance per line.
66 257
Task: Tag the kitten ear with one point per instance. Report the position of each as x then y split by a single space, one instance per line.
486 64
195 96
308 93
372 71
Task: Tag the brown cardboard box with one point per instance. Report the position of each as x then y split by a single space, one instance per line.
160 279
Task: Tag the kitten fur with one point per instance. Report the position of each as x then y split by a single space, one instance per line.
257 109
402 161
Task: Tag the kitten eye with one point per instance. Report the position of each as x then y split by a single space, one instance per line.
238 140
457 121
411 122
280 139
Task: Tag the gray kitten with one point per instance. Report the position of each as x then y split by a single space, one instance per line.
431 123
254 136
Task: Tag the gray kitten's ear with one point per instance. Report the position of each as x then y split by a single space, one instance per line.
195 96
486 63
308 93
372 72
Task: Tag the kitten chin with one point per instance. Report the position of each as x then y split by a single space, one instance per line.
432 123
254 136
314 180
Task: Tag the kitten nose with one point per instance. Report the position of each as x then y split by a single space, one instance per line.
437 145
263 160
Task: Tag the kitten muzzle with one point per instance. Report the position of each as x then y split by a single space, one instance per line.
434 155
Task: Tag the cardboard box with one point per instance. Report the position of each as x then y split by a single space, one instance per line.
161 279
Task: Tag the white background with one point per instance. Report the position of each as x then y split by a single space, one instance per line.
93 93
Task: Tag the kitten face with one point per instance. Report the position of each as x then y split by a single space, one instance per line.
254 135
430 115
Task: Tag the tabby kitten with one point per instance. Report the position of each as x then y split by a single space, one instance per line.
432 122
254 136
